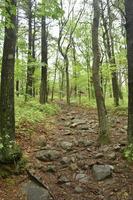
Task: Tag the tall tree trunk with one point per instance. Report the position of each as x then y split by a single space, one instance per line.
102 114
7 113
115 85
129 29
44 85
75 70
109 47
67 79
54 81
29 82
33 56
17 81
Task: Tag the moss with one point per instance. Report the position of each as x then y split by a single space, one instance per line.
10 181
10 154
21 165
13 169
128 152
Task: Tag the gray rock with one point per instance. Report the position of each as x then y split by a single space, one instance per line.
125 127
41 141
65 161
102 172
73 167
66 145
63 179
122 130
77 122
48 155
99 155
78 189
85 143
51 168
117 147
35 192
84 128
82 178
67 124
111 156
105 149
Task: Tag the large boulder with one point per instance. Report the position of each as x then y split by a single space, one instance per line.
48 155
102 172
34 192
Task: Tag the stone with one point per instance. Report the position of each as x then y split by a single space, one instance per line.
77 122
123 143
34 192
65 161
51 168
41 141
82 178
67 124
73 159
125 127
117 147
84 128
111 156
66 145
122 130
48 155
99 155
102 172
82 165
85 143
79 156
73 167
63 179
78 189
105 148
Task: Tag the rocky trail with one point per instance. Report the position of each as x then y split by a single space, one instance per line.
66 163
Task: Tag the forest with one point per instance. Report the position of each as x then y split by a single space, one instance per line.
66 99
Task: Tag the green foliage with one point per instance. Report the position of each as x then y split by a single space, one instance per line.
21 165
50 8
128 152
32 111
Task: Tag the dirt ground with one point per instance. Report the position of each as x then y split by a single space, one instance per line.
77 126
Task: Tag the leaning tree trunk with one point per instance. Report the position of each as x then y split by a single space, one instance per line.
129 29
44 85
7 114
102 114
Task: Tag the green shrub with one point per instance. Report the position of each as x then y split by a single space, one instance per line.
128 152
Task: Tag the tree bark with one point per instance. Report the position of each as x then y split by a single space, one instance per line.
29 82
7 113
129 30
102 114
44 52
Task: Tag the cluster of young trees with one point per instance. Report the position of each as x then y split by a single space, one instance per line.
58 48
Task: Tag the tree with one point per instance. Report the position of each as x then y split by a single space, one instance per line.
44 63
129 30
102 114
7 113
30 69
66 38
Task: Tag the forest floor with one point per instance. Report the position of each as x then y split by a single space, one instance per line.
62 154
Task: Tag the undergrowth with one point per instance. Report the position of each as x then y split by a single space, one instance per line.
32 111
